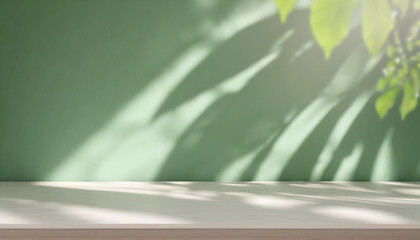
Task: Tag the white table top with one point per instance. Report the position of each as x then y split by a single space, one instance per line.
209 205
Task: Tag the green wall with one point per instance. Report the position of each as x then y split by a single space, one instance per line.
189 90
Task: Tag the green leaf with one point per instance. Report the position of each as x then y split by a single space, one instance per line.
377 24
409 101
402 5
385 102
404 69
410 47
401 73
390 68
416 5
416 81
284 7
330 20
394 81
381 85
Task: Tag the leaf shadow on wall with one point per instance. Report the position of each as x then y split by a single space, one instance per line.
247 127
242 124
239 131
64 60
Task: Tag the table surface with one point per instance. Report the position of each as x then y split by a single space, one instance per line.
209 205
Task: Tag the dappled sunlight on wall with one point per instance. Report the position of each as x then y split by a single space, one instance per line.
383 166
201 90
338 133
139 154
352 71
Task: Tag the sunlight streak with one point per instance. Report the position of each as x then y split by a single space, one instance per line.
353 214
111 142
383 168
349 164
337 135
356 66
234 170
269 201
141 155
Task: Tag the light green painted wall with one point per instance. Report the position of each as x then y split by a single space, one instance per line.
188 90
